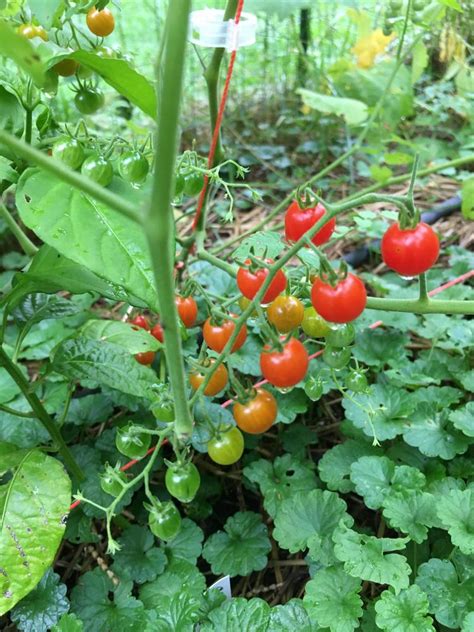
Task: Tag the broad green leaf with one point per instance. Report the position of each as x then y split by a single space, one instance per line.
180 576
45 10
296 438
456 512
104 363
332 599
178 612
369 558
411 513
463 419
88 232
371 476
290 405
269 243
187 545
335 465
133 339
239 615
138 559
467 194
15 431
452 4
290 617
119 74
405 612
398 158
89 410
468 623
380 174
419 61
241 548
23 53
29 539
37 307
8 387
307 520
11 115
380 348
68 623
43 606
353 111
6 171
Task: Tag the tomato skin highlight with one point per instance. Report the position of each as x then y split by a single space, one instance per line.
215 385
342 303
101 23
183 481
286 313
158 333
313 324
258 414
146 358
250 282
187 310
216 336
164 521
110 485
227 448
285 368
298 221
357 381
410 252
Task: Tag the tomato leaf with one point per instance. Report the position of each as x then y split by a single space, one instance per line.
353 111
132 339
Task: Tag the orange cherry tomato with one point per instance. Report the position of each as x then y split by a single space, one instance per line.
287 367
215 385
101 23
286 313
216 336
187 310
258 414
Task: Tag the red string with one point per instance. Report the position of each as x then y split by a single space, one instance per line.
218 125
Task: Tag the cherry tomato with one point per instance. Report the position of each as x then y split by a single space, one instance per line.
146 358
182 481
193 183
141 322
30 31
342 303
299 220
134 167
179 184
244 303
164 521
258 414
187 310
216 336
69 151
356 381
341 335
336 358
89 100
215 385
158 333
99 169
250 282
227 447
412 251
132 443
313 325
101 23
163 411
285 368
66 67
314 388
286 313
110 481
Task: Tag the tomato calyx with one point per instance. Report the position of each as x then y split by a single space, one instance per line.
306 198
163 407
112 480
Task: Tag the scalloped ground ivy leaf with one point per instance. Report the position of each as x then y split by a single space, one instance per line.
456 512
138 558
405 612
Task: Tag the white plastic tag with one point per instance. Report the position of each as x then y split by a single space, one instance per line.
223 585
208 29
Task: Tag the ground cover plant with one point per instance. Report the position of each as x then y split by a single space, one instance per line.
236 339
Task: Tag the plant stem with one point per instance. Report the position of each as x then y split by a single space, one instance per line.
69 176
41 413
26 244
226 267
159 222
28 125
423 288
17 413
417 306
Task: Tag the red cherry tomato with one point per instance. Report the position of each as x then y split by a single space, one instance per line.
250 282
299 220
342 303
146 357
141 322
158 332
215 385
410 252
216 336
285 368
257 414
187 310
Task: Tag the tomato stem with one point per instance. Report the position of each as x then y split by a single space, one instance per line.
26 244
423 288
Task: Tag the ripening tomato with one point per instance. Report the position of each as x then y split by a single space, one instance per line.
141 322
284 368
101 23
187 310
164 521
215 385
182 481
158 333
217 335
299 220
313 325
146 358
66 67
227 447
342 303
286 313
30 31
412 251
249 282
257 414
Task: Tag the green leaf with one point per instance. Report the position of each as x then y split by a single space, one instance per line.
38 307
88 232
6 171
104 363
281 479
405 612
23 53
456 512
29 539
332 598
180 576
103 607
364 557
463 419
8 387
45 10
381 348
380 174
335 465
179 612
239 615
468 623
290 405
467 195
307 520
452 4
43 606
119 74
68 623
419 61
138 558
290 617
411 513
132 339
89 410
241 548
269 242
353 111
371 476
187 545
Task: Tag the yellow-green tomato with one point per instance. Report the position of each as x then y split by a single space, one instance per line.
227 447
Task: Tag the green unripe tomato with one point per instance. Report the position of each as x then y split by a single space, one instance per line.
179 184
313 324
341 335
395 5
99 169
193 183
183 481
336 358
89 100
227 447
418 5
314 388
110 481
134 167
356 381
163 411
131 443
69 151
165 521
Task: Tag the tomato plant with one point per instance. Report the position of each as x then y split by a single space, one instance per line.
216 335
410 251
112 481
217 382
146 357
299 220
313 325
286 313
257 414
182 481
341 303
99 169
69 151
131 442
134 167
287 367
226 447
251 280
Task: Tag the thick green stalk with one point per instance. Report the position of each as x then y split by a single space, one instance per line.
26 244
41 413
159 223
420 306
